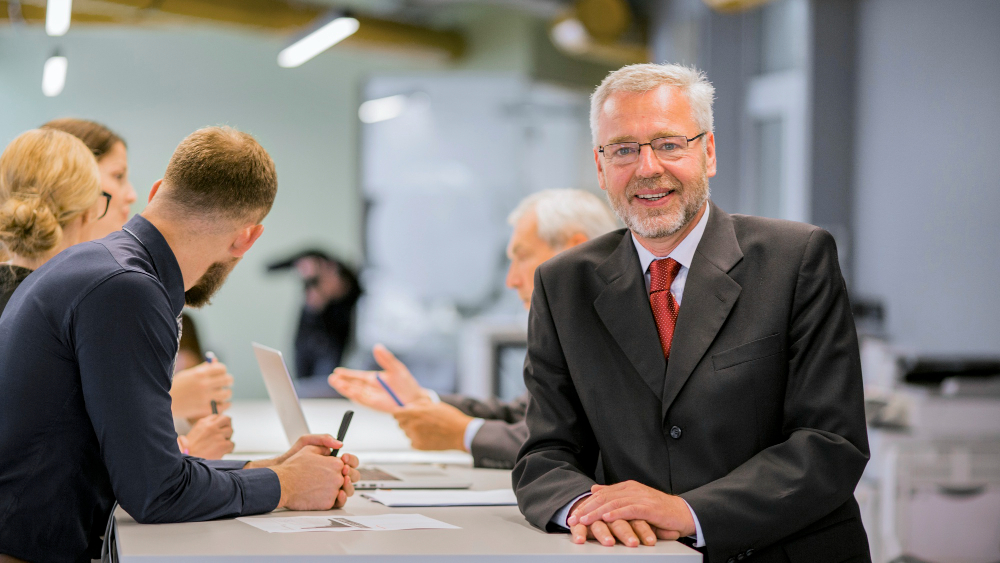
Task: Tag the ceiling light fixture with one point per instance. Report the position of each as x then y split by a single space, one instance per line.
571 35
57 17
54 75
318 41
382 109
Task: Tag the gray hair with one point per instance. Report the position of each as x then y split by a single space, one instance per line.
640 78
563 213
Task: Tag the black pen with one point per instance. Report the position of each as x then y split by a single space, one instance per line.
344 424
210 358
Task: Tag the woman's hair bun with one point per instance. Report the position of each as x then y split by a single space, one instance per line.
28 228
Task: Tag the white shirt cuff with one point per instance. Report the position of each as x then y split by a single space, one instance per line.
699 539
435 398
563 515
470 432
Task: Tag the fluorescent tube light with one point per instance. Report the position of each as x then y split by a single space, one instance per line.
57 16
382 109
54 75
317 42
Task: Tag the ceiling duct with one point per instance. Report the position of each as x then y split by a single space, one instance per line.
733 6
264 15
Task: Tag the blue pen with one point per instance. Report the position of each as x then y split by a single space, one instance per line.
388 389
210 358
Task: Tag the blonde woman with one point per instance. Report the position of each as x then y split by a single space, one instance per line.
50 198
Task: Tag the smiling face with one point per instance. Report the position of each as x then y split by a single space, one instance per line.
655 199
113 166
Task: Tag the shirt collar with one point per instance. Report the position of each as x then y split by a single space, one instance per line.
164 262
683 253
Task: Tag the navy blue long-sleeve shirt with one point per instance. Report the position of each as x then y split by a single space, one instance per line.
87 345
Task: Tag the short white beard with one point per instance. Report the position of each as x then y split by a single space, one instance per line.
659 224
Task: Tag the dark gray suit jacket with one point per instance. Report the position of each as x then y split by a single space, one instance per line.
757 421
501 436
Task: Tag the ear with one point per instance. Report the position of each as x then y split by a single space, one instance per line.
600 169
577 238
710 154
154 189
245 239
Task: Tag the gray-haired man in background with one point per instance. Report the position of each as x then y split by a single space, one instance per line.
545 224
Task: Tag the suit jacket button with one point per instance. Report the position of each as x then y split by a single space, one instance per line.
675 432
749 552
740 557
731 560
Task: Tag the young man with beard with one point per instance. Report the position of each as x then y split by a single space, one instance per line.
87 346
707 361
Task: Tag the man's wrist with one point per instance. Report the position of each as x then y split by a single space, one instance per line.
469 435
282 498
261 463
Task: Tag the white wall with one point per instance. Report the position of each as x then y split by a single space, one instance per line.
155 86
927 208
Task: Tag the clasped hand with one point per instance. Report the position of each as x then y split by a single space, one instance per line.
631 513
311 478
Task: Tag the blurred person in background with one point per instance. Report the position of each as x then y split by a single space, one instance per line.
50 199
195 385
331 293
545 224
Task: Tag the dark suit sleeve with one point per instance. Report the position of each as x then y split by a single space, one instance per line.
125 354
492 409
552 466
815 469
496 444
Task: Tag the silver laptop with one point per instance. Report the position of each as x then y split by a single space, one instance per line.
286 402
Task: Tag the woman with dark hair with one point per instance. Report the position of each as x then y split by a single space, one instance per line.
112 161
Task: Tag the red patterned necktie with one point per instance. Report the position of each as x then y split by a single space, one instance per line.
661 275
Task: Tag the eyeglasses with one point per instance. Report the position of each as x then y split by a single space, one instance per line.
665 148
107 204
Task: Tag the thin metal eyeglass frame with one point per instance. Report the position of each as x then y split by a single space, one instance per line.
687 141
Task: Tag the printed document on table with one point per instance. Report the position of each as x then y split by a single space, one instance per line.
398 498
380 523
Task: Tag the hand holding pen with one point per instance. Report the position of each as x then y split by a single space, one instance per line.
194 389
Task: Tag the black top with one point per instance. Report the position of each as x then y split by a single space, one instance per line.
10 278
86 352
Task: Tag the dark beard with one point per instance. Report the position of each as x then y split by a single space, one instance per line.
210 282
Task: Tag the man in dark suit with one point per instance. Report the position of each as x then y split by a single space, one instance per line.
707 363
545 223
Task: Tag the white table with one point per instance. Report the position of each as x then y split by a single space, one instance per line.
487 534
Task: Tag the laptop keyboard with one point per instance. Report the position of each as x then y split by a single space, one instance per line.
373 474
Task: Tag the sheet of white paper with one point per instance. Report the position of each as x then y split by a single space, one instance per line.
380 523
396 498
450 457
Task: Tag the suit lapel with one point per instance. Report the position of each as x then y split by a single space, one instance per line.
709 296
624 309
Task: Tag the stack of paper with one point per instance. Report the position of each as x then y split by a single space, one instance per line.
401 498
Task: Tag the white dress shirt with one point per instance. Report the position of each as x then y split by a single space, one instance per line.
683 253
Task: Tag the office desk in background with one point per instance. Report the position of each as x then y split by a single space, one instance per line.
488 534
